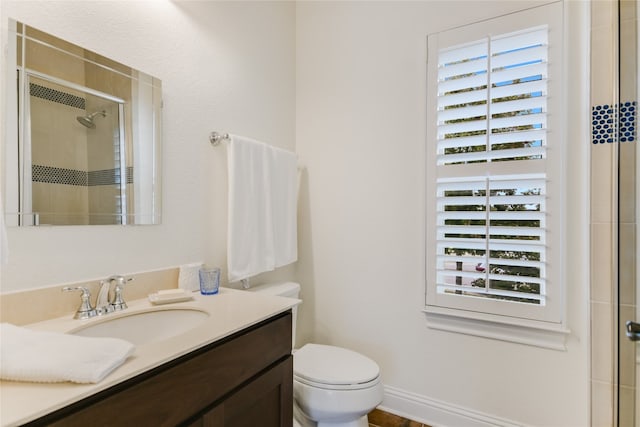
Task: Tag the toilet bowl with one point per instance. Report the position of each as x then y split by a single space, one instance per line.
332 386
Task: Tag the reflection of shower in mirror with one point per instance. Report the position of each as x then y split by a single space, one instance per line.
88 119
104 169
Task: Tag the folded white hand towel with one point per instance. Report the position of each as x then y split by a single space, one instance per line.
188 278
48 357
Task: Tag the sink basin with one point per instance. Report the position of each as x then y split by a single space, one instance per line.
145 327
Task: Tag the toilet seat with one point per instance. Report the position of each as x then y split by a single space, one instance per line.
334 368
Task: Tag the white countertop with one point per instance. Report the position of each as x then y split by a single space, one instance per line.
229 311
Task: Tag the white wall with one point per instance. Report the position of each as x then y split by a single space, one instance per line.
344 84
226 66
360 122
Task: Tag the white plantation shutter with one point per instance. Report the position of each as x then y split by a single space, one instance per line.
477 227
490 246
492 100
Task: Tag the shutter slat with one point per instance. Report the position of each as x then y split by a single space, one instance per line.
516 200
463 229
518 152
459 113
516 231
524 120
507 42
473 49
517 89
482 291
461 243
517 105
468 184
461 68
493 215
516 246
519 57
510 74
515 279
471 82
530 182
461 215
463 98
519 136
465 141
490 155
470 126
472 260
462 200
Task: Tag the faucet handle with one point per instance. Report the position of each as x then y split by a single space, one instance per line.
118 302
86 310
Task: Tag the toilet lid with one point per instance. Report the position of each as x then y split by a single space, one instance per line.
327 364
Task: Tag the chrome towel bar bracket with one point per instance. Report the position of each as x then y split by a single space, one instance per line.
216 138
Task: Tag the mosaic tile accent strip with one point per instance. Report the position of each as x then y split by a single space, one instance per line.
628 122
53 95
104 177
52 175
603 126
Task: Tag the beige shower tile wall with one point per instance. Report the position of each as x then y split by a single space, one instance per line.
603 214
102 199
22 308
58 141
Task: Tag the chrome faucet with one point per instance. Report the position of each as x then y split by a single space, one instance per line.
103 304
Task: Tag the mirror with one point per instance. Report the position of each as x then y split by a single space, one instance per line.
83 138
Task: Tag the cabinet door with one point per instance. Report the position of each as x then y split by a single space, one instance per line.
267 401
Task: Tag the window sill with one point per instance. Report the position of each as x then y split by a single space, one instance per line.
533 333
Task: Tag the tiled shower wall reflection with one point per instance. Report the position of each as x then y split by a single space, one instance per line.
613 212
76 175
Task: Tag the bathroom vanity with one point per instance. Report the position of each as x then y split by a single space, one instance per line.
241 377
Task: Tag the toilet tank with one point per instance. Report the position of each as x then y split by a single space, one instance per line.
282 289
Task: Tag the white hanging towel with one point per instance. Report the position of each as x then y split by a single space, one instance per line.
262 226
284 199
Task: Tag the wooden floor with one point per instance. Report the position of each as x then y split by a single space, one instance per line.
378 418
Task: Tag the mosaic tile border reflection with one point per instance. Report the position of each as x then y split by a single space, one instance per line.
57 96
603 125
53 175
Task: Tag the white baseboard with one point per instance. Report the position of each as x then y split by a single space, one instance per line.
437 413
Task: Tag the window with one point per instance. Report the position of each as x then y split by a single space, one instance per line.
494 181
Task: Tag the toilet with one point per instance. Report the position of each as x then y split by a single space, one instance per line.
332 386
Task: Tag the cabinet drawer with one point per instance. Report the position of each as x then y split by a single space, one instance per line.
174 392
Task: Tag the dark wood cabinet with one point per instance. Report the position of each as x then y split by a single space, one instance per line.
262 402
243 380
